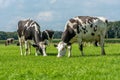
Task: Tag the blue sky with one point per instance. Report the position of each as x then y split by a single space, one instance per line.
53 14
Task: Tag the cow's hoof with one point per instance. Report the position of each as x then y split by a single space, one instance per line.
36 54
59 56
25 54
103 54
44 55
21 54
69 56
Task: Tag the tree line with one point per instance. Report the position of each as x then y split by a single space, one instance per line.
5 35
113 31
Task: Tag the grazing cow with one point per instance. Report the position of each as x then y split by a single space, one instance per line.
30 30
46 37
9 41
82 29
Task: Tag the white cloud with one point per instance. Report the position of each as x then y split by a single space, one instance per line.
45 16
5 3
53 1
11 3
12 24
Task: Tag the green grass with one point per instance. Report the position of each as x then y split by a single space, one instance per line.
92 66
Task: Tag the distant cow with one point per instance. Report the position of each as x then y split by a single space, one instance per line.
30 30
82 29
9 41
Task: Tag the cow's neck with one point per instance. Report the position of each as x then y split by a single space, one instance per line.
37 36
68 35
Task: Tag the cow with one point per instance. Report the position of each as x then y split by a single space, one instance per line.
29 30
46 37
9 41
82 29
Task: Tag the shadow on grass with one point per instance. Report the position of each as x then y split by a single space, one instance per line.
90 55
86 55
55 54
115 54
52 54
96 55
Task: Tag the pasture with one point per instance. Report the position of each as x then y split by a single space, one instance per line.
92 66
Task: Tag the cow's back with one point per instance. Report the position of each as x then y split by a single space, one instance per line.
21 25
93 30
85 27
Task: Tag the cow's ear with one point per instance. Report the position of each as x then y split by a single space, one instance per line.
55 45
34 45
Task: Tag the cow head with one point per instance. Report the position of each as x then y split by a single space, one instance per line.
40 47
61 47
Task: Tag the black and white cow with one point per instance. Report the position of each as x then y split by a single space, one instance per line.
82 29
46 37
9 41
30 30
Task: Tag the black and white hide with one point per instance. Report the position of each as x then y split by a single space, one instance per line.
29 33
82 29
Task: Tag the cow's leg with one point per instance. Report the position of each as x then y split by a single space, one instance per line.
69 50
26 47
36 52
8 43
81 48
102 45
80 45
44 52
29 50
43 46
21 46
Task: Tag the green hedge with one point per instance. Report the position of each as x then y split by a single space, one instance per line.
106 40
112 40
3 41
57 40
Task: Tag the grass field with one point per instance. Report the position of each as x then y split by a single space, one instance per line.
92 66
